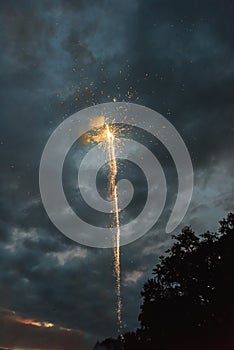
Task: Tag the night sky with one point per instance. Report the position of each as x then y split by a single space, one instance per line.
58 57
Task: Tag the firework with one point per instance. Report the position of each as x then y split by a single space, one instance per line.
106 135
116 224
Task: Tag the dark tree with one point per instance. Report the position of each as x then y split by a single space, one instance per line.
190 299
108 344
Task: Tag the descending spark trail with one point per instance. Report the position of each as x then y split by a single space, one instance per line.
104 134
116 223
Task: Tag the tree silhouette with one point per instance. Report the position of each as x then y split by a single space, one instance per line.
110 344
190 298
189 301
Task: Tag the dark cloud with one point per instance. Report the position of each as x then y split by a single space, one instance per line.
59 57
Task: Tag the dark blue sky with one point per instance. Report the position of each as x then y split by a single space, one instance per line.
58 57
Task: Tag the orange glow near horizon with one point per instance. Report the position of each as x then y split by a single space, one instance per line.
27 321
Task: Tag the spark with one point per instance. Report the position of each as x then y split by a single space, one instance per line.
116 223
106 135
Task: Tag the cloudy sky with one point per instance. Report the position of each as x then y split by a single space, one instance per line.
57 58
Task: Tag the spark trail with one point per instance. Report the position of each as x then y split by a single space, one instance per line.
116 224
106 135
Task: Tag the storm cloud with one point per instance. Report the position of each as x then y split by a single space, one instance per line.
58 57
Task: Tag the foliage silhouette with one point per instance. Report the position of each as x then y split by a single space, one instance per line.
189 301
